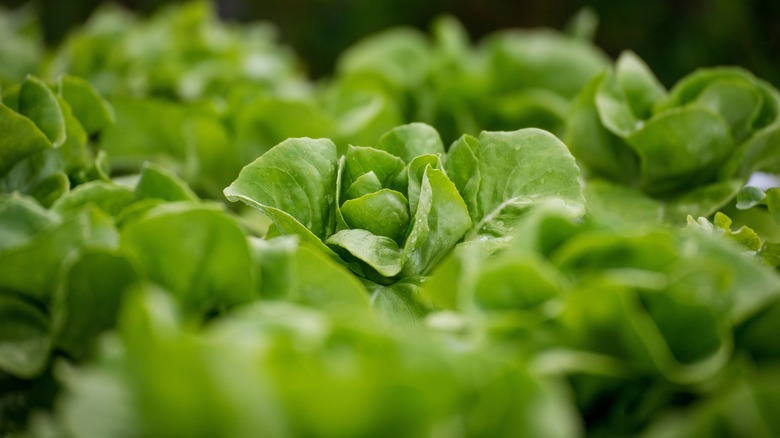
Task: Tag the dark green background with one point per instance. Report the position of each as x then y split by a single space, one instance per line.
673 36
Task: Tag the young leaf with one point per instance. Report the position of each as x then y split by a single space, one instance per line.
439 223
462 168
412 140
383 213
377 251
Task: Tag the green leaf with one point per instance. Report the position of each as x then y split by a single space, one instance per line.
614 108
298 177
542 59
515 283
383 213
21 218
439 223
363 185
273 266
679 148
462 168
20 139
362 160
195 251
89 299
737 100
749 197
379 252
412 140
92 111
111 198
518 169
640 86
414 177
325 284
601 151
38 103
398 55
158 182
773 203
24 337
32 269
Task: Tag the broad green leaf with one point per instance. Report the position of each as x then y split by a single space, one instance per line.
25 341
383 213
111 198
363 185
518 169
679 148
601 151
89 299
32 269
439 223
38 103
362 160
159 182
92 111
197 252
640 86
21 219
463 169
20 139
298 177
377 251
410 141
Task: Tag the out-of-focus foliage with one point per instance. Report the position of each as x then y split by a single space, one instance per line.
409 258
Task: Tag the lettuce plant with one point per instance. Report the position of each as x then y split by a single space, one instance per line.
691 148
395 210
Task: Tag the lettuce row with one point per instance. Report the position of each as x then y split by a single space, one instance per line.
394 210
